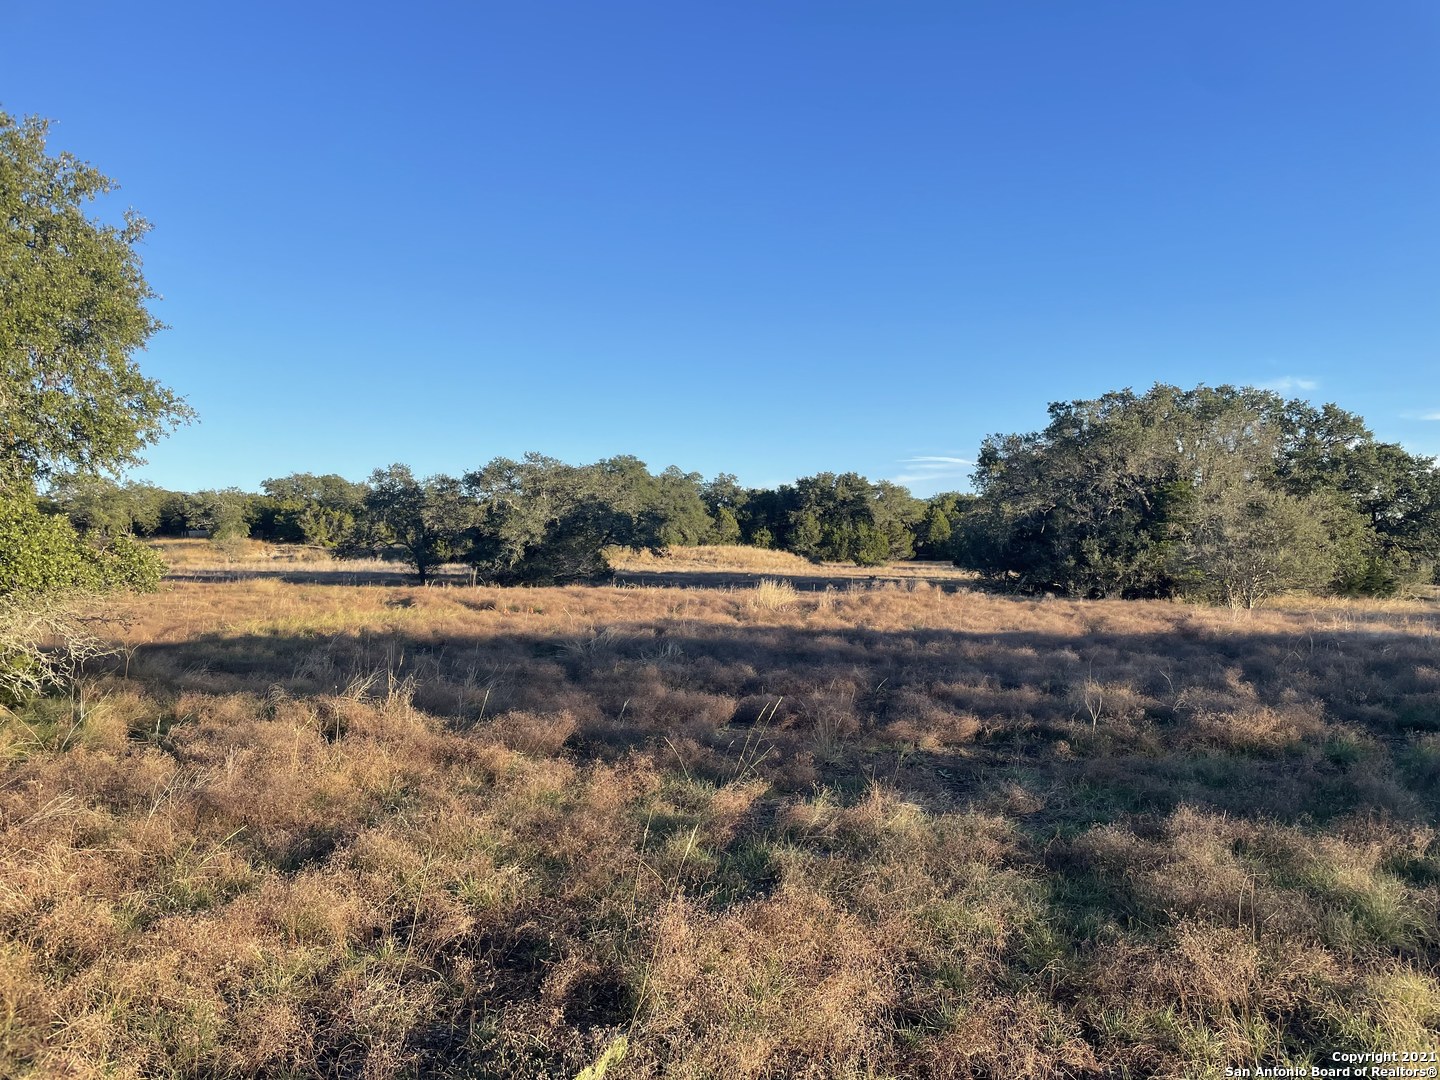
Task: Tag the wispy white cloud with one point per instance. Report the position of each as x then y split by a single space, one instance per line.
1287 383
932 469
1431 415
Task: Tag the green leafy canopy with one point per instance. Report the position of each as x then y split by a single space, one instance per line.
72 314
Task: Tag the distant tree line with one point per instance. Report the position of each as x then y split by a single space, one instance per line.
529 521
1221 494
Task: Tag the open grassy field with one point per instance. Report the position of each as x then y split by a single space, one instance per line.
881 829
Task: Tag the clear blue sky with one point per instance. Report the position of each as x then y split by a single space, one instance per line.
768 238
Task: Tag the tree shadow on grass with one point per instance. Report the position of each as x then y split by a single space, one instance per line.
325 574
453 576
818 581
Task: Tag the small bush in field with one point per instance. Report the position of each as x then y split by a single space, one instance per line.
125 563
51 581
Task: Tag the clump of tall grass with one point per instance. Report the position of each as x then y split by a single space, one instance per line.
770 594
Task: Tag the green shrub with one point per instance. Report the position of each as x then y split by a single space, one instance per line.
49 578
126 563
42 553
39 553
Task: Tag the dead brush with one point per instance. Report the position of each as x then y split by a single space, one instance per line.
830 715
1116 700
531 734
46 640
596 643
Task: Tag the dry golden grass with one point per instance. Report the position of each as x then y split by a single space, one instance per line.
729 558
239 552
233 559
744 565
323 830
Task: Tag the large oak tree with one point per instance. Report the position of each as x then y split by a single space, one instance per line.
73 314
